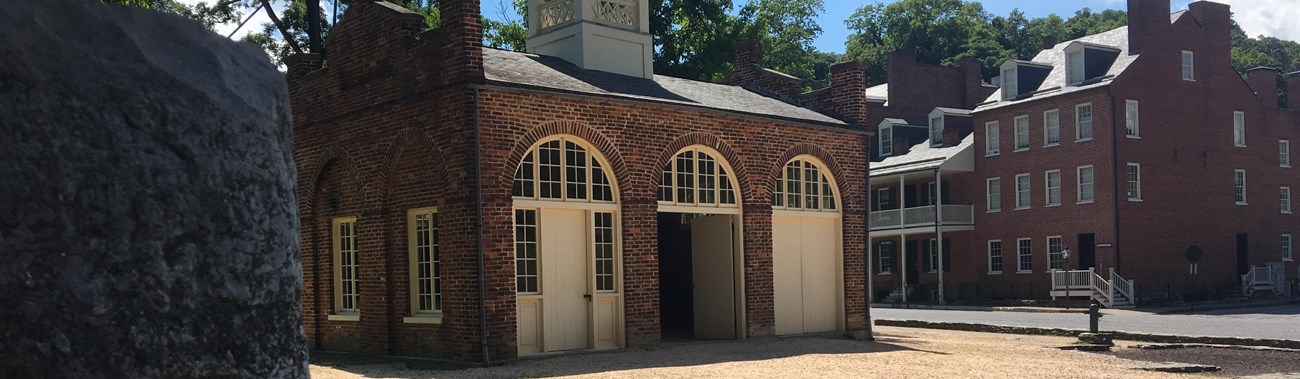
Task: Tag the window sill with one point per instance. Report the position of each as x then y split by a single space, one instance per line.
995 211
1236 145
423 319
885 273
1051 205
1287 260
1085 202
1134 200
1052 144
1242 203
1286 212
1189 80
995 273
1024 272
345 317
1023 208
1285 166
1133 137
993 154
1020 150
1083 139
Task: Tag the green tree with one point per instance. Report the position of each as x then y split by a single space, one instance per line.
511 33
786 29
218 12
937 31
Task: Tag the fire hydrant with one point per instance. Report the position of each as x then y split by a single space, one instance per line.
1094 315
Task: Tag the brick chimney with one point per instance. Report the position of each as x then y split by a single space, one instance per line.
895 63
1148 20
1049 42
462 23
901 145
1263 80
848 91
1216 22
1293 90
951 137
973 73
748 61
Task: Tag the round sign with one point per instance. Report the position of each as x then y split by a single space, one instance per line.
1193 254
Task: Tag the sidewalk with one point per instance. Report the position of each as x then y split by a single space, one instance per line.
1200 307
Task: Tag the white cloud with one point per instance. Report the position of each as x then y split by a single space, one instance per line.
252 26
1272 18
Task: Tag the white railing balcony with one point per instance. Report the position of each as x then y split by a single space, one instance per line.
922 216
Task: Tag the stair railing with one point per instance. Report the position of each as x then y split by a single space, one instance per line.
1122 286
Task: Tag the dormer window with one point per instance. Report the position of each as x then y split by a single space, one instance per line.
1075 67
1010 89
1085 62
936 131
886 137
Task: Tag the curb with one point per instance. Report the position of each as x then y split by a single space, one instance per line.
1127 336
979 308
1225 306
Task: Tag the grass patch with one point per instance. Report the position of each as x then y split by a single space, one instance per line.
342 360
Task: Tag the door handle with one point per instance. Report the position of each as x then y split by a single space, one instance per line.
586 296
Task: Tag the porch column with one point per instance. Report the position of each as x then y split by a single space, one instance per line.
938 226
902 238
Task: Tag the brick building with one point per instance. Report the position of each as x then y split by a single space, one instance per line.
472 204
1127 149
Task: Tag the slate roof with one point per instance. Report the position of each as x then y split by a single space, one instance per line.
1054 85
878 92
551 73
920 157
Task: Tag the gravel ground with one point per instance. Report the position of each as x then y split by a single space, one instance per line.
1233 361
897 353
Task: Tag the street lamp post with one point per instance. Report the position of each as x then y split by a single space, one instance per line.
1065 257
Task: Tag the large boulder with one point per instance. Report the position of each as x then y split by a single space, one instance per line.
148 225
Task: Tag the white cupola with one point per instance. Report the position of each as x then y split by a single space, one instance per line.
605 35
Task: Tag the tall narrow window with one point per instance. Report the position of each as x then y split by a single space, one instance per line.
886 137
1053 181
1189 66
1286 200
1083 122
1022 191
1075 61
1284 153
1010 89
885 264
1085 187
1286 247
992 139
347 298
426 273
1134 182
1239 129
1022 133
884 200
936 131
994 197
995 257
1055 253
526 274
1131 118
603 225
932 255
1051 128
1024 255
1240 186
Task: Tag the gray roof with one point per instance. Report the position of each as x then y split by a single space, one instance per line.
954 111
878 92
551 73
1054 85
920 157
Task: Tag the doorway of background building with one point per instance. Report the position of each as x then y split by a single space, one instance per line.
1243 254
1087 251
697 280
913 263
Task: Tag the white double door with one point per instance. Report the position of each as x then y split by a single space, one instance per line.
569 314
806 273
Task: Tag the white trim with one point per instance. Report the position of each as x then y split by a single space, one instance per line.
1138 181
435 319
1078 184
1002 257
1047 136
343 317
1010 83
1029 193
992 141
1242 174
589 185
936 130
412 255
1239 129
988 195
1047 188
1019 256
721 168
824 182
1135 130
1285 199
787 212
885 143
1016 130
525 203
337 269
1287 248
1284 153
1065 265
1091 122
665 208
1188 66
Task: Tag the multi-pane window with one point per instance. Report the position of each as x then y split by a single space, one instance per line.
932 256
1189 66
1286 199
1010 89
1284 153
803 186
1239 129
604 235
1051 127
1286 247
346 284
695 177
885 258
426 270
563 170
1055 253
1083 122
995 257
883 199
1022 133
1024 255
994 194
1022 191
886 137
526 267
1053 181
1131 118
936 131
1240 186
1085 184
1134 178
992 139
1075 61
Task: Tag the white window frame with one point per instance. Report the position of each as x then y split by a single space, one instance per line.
936 131
993 195
935 264
1051 128
1079 123
818 194
413 246
1052 256
1239 186
1133 178
1024 256
1075 72
883 193
1239 129
1286 200
886 139
535 258
992 139
1026 195
1132 118
1091 184
724 188
881 267
1284 153
1048 188
350 265
1287 254
1189 66
597 177
1010 87
1021 133
1001 261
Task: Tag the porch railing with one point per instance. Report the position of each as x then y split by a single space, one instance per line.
1093 284
922 216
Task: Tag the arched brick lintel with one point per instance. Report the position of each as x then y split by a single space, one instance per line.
577 129
406 141
747 193
836 172
331 155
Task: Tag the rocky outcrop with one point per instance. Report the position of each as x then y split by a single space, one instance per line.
148 225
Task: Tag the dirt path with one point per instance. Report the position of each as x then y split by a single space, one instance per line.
897 353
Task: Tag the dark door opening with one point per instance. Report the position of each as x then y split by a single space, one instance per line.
1243 254
697 279
1087 251
913 263
676 298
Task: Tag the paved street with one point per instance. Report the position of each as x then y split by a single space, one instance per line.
1281 322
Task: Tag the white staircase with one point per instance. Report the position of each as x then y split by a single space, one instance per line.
1262 280
1115 292
897 295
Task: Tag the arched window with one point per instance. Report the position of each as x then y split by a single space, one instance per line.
804 186
562 169
696 177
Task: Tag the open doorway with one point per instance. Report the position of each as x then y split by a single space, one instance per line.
697 280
